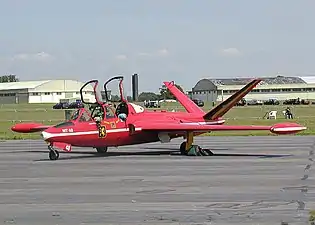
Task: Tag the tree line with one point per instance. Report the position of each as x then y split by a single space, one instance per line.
9 78
164 94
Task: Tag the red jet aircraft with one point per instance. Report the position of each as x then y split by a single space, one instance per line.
103 125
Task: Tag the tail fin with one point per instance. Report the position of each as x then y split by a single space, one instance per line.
226 105
188 104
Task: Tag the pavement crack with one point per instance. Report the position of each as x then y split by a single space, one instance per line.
155 191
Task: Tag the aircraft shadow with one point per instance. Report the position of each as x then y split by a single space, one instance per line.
84 154
177 149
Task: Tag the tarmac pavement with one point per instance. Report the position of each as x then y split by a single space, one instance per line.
249 180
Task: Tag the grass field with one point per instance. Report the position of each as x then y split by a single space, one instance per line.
247 115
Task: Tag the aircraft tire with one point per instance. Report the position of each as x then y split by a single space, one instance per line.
182 148
101 150
53 155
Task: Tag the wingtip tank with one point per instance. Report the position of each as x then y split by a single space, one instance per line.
287 128
28 127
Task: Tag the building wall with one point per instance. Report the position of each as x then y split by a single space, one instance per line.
280 96
207 96
48 91
45 97
205 90
260 92
22 98
54 97
53 91
13 96
62 86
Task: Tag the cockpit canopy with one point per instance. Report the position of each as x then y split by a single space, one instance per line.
86 115
90 93
96 110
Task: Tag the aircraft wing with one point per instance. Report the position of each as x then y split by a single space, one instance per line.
281 128
29 127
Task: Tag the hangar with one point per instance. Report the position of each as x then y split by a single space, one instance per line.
44 91
279 87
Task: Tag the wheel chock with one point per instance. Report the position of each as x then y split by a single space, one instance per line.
196 150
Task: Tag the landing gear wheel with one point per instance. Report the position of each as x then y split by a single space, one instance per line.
101 150
182 148
53 155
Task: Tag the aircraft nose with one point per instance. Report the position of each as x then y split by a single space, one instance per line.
46 135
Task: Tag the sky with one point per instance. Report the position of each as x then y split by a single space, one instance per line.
161 40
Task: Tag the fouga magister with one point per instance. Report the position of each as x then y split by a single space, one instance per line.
100 125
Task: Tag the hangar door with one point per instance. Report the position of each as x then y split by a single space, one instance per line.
7 98
22 98
14 96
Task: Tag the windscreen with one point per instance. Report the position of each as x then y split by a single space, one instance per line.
91 93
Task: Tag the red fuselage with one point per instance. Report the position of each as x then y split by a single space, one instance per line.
116 132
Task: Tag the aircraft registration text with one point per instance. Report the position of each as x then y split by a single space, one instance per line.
67 130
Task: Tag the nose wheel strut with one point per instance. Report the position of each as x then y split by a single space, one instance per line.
53 153
189 149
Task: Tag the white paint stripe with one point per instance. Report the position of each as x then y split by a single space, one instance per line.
288 129
204 123
47 135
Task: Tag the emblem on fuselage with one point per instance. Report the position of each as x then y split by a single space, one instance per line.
102 132
113 125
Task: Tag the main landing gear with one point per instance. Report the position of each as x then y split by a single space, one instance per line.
187 147
101 150
53 153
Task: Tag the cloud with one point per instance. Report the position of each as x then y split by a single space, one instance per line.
120 57
231 52
144 54
40 56
163 52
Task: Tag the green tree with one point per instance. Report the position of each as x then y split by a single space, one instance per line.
115 98
166 94
147 96
129 98
8 78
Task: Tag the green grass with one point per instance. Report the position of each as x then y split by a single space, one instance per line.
247 115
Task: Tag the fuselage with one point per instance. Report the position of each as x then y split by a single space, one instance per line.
115 132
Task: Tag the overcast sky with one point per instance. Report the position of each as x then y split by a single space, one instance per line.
181 40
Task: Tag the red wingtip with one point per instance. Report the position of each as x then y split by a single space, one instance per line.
287 128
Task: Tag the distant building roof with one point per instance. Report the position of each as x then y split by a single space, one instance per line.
22 85
309 79
265 80
46 85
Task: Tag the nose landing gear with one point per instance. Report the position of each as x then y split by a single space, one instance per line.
101 149
53 154
187 147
